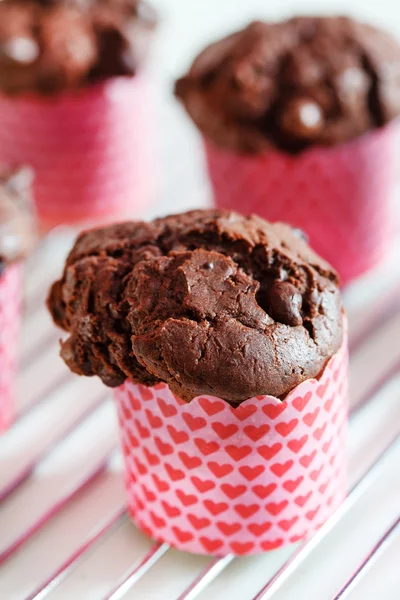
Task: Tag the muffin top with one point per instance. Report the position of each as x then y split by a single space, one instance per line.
16 223
209 302
51 45
290 85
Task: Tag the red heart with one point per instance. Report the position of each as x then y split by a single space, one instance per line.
168 410
140 467
259 528
215 508
281 468
190 462
224 431
194 423
269 452
144 432
202 485
318 433
256 433
263 491
179 437
302 500
126 412
211 545
164 448
311 513
206 448
321 389
153 420
315 474
274 410
310 417
327 445
211 407
158 521
271 544
322 487
228 528
336 374
145 392
241 547
238 452
150 497
183 536
296 445
335 417
301 402
274 508
161 485
233 491
306 460
251 473
328 404
143 527
245 510
198 523
286 428
332 460
134 442
219 470
126 448
186 499
287 524
291 485
175 474
170 511
152 459
134 402
297 538
244 412
138 502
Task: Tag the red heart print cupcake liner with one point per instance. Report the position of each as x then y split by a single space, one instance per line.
90 150
342 197
211 479
10 317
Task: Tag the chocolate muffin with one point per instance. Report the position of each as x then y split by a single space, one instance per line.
16 218
52 45
209 302
289 85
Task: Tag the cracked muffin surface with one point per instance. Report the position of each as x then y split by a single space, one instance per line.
293 84
209 302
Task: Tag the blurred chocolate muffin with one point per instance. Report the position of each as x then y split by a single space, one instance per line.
51 45
289 85
209 302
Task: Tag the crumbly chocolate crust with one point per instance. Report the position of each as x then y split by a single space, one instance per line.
293 84
51 45
209 302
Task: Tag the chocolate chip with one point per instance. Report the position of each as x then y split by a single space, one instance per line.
302 118
285 304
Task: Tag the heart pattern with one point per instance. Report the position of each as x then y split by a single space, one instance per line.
10 317
91 151
340 196
212 479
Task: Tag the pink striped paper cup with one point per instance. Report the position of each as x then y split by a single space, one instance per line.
89 149
211 479
10 317
342 197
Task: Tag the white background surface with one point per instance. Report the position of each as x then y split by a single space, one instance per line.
64 399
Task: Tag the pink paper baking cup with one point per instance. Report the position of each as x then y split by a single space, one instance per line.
90 150
342 197
211 479
10 317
